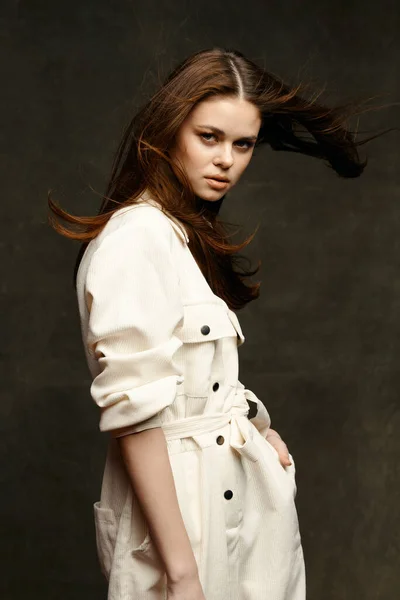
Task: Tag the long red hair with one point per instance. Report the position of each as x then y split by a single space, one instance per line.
290 122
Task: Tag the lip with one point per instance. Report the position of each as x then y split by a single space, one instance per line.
217 184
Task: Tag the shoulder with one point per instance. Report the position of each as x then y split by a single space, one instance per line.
135 224
134 230
134 241
142 219
140 216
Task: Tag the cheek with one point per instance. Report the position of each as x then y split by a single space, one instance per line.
190 156
196 154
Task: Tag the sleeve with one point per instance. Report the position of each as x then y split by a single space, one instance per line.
261 419
135 306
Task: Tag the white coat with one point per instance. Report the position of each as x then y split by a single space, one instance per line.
162 349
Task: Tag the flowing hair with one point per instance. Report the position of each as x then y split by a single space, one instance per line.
289 122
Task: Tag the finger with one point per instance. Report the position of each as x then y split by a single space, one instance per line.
282 450
272 432
284 455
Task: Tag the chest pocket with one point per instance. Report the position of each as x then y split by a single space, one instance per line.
208 321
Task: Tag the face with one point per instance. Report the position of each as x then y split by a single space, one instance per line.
216 140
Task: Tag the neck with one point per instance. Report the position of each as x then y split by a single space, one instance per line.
212 207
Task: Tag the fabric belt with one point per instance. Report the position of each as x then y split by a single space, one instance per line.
242 429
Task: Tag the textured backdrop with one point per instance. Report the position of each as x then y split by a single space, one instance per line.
326 359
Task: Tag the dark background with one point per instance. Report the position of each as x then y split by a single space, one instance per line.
322 342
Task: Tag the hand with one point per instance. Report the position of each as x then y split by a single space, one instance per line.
277 442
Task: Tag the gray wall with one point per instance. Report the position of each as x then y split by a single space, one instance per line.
322 343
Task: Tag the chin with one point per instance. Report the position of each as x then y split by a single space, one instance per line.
211 195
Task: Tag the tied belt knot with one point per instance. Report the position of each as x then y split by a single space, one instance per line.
241 430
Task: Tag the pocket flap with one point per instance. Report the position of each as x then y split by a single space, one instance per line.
206 321
106 535
103 513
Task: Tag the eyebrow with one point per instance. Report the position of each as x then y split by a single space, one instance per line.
220 132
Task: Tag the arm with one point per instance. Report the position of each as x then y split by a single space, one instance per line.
151 476
135 308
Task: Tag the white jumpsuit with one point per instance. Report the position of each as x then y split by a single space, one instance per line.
162 349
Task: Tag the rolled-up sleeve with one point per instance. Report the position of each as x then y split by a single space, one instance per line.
262 419
135 308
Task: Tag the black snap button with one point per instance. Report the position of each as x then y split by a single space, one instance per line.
205 330
228 494
215 386
220 440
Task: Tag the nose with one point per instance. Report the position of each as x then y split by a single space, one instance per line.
224 157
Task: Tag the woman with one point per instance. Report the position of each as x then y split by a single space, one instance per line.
197 498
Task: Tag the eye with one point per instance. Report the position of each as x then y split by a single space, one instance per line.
245 145
207 136
242 144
